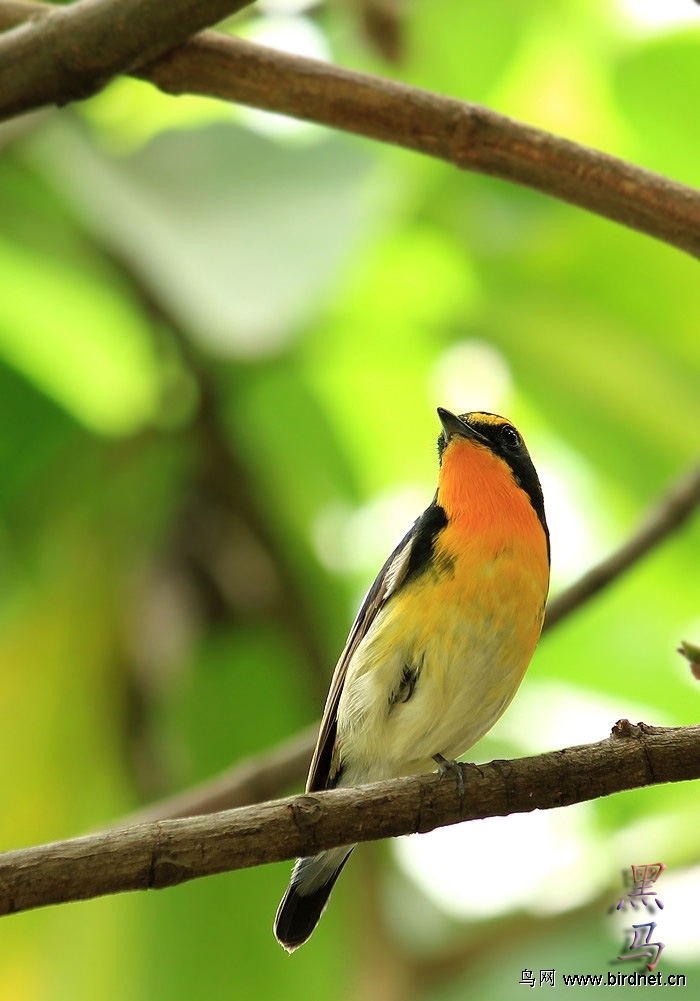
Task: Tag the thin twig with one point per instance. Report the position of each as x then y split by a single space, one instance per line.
164 853
252 780
670 512
469 136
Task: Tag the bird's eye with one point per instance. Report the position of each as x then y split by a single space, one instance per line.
509 436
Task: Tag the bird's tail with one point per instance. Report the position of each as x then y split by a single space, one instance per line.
304 902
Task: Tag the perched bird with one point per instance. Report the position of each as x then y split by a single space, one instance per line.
442 640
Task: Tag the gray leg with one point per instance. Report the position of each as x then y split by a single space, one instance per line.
445 766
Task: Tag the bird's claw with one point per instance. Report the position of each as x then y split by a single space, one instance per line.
444 767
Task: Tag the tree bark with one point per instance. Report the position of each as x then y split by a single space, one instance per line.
164 853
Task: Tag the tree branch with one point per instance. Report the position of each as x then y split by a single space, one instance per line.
468 136
165 853
280 768
670 512
70 52
251 780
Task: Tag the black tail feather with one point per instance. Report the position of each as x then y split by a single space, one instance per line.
298 913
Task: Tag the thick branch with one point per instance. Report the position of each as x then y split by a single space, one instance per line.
66 53
153 856
466 135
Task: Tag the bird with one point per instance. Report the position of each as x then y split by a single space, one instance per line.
442 639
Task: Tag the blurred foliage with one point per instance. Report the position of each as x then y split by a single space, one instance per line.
222 342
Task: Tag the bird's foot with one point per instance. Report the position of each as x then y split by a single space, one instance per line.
445 766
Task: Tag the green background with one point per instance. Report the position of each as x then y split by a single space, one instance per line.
222 343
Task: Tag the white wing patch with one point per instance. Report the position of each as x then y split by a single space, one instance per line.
396 571
387 582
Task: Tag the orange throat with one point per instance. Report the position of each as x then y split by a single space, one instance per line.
483 501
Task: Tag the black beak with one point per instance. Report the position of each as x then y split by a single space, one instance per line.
452 425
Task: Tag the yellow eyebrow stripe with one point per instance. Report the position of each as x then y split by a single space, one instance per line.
493 419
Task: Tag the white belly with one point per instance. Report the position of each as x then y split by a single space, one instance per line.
471 664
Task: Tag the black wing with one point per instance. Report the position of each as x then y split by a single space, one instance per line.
409 558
